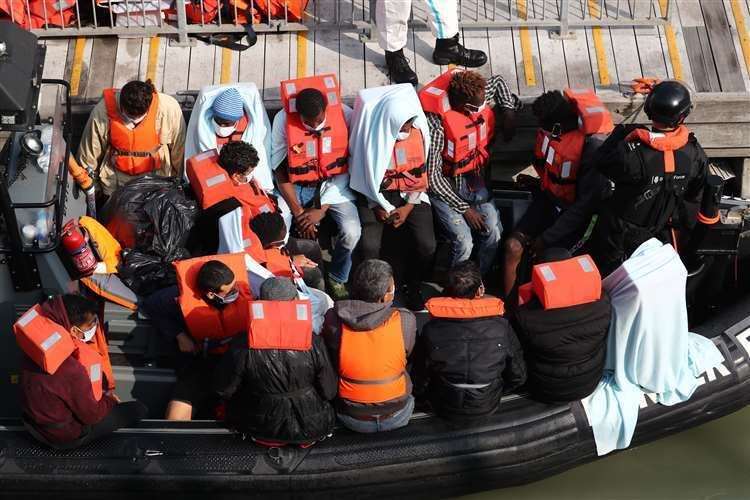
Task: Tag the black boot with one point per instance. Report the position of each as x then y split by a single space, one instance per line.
449 51
398 68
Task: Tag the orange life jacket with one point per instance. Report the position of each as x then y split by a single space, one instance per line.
372 363
447 307
407 172
212 184
136 151
204 321
467 136
247 13
561 156
666 142
236 136
281 264
313 156
567 283
48 344
40 13
281 325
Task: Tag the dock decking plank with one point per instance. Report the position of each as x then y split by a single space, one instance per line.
650 52
527 86
552 61
744 69
722 46
54 67
478 39
502 57
78 84
176 68
351 64
625 50
424 44
608 60
158 69
578 61
202 65
277 55
376 73
103 57
128 61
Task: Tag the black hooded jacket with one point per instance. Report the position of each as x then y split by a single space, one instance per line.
278 395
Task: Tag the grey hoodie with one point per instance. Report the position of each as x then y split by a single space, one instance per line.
365 316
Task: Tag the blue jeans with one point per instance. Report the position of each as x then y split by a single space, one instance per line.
462 237
349 230
395 421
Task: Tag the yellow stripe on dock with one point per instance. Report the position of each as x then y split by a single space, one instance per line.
153 58
528 62
601 53
77 68
674 51
739 20
226 66
301 54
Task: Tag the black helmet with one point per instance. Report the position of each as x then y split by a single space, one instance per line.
668 103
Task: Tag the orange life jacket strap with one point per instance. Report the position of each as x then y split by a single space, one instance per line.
708 220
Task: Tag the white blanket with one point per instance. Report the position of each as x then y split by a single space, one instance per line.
202 137
379 114
649 347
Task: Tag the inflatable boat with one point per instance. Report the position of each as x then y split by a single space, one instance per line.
525 441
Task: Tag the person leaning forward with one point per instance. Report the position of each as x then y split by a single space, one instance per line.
133 132
370 340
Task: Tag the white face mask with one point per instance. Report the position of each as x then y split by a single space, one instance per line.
247 178
89 334
402 136
320 126
224 131
478 109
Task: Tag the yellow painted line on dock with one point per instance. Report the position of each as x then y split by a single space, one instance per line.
301 54
601 53
77 68
226 66
523 33
739 20
153 58
674 51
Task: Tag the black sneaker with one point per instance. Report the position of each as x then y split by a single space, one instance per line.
399 69
449 51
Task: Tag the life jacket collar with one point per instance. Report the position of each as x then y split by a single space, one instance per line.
452 308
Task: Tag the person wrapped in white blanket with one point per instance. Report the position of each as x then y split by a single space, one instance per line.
650 349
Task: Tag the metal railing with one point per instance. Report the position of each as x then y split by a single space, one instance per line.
173 17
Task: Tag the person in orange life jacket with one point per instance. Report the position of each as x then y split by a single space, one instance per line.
278 381
468 355
456 160
388 142
220 290
658 173
369 341
562 207
564 345
60 408
286 258
311 201
229 117
133 132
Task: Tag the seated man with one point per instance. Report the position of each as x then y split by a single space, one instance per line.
288 259
564 340
310 158
226 189
230 113
67 387
572 127
389 144
133 132
200 315
461 137
470 354
278 380
370 340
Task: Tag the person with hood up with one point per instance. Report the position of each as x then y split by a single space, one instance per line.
230 113
389 141
278 380
469 355
67 387
370 340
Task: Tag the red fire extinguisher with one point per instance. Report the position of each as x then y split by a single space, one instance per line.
77 247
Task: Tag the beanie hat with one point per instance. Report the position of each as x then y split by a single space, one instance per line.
229 105
278 289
